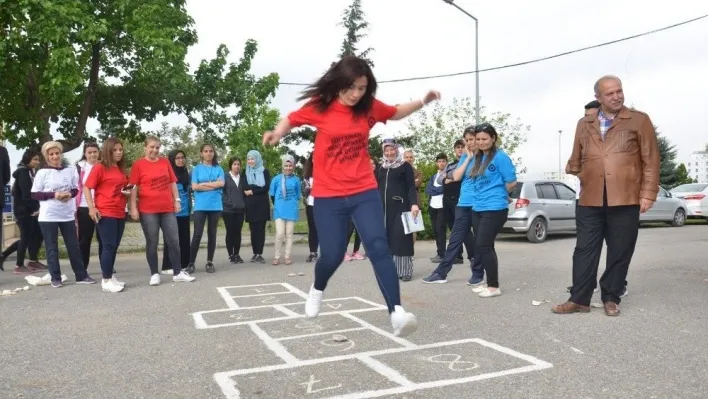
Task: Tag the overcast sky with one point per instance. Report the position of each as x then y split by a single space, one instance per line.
664 74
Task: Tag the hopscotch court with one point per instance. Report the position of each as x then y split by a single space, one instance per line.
340 355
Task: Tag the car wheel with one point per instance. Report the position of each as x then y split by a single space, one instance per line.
679 218
538 231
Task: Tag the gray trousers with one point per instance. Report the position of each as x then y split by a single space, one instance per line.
152 223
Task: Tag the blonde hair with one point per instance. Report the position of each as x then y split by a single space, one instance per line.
151 139
49 145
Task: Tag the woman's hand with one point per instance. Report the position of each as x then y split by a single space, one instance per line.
415 210
134 214
431 96
94 214
248 192
271 138
178 206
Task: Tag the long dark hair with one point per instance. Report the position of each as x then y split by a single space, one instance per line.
339 77
27 157
307 170
107 153
215 160
479 166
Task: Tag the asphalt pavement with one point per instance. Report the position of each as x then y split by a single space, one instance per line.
241 331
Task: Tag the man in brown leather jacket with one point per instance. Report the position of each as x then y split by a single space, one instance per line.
616 157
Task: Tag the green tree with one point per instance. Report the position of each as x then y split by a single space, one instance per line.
682 177
354 21
436 129
64 62
667 157
185 139
120 62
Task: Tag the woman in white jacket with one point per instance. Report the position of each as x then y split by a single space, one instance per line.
55 187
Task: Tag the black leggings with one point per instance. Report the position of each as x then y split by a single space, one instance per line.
312 239
258 231
234 225
183 227
30 240
357 241
200 218
87 229
487 225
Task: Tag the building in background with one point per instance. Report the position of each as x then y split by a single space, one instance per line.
697 166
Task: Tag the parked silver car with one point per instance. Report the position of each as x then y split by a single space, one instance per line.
539 208
667 208
542 207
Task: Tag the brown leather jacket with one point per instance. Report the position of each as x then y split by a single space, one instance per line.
626 162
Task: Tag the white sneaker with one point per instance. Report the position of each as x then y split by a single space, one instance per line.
155 279
488 294
110 286
404 323
116 281
183 277
479 288
314 300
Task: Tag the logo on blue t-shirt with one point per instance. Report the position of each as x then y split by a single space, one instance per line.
491 168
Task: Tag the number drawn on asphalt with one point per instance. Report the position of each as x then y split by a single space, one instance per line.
309 326
309 385
334 306
239 317
258 290
454 362
345 346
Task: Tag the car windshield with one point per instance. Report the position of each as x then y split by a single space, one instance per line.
690 188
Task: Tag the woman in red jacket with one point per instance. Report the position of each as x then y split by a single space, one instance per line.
342 106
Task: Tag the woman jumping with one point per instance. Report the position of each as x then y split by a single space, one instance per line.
342 106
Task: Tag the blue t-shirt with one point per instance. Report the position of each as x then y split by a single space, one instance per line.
184 200
489 188
208 200
466 187
286 207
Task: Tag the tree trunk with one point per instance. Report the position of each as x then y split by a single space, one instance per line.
71 143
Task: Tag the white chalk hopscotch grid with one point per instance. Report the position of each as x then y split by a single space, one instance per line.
269 296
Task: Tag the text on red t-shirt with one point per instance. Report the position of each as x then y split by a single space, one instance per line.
154 180
341 163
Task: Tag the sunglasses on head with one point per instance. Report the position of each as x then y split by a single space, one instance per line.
484 127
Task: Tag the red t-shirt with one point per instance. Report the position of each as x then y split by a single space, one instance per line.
154 180
108 184
341 156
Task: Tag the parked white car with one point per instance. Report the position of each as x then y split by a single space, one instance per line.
695 196
667 208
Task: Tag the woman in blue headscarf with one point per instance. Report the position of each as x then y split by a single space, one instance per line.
257 202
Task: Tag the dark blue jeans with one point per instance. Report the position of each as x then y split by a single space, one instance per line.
461 233
50 231
332 217
111 231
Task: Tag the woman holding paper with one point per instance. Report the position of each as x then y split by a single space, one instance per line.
398 193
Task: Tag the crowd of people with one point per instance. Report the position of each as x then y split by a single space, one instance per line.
345 193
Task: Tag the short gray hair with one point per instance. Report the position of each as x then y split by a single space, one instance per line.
596 88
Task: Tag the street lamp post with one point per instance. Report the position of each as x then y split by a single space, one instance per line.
560 162
476 55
